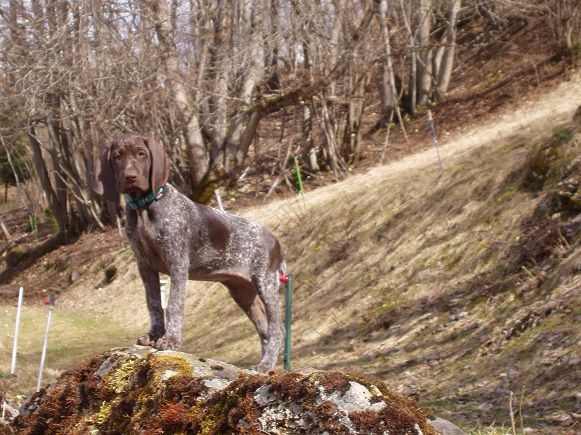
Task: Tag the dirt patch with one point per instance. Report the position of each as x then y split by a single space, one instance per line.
59 268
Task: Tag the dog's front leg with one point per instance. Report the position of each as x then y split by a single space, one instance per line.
153 298
175 308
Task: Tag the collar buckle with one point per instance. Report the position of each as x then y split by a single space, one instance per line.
145 201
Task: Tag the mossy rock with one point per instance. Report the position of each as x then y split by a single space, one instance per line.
140 390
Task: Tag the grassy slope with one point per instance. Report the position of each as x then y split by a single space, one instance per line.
402 272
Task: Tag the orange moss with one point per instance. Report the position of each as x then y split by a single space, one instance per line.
334 381
61 404
179 403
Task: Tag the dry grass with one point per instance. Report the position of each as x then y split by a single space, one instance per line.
74 335
396 275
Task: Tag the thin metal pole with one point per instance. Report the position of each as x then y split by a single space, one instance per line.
16 329
219 199
287 322
434 138
45 342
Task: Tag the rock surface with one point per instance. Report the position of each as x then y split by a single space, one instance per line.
140 390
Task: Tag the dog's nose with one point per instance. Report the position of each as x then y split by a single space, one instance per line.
130 178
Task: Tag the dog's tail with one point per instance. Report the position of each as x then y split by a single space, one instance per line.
282 267
282 272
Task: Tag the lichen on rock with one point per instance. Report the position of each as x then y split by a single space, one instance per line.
140 390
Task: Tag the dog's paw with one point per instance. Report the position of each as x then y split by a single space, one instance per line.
168 343
263 367
145 340
150 338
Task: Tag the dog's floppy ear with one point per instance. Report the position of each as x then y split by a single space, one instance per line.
159 165
104 177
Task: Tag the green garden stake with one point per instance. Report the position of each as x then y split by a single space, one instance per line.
32 223
287 321
299 180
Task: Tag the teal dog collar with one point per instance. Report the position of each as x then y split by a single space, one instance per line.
145 201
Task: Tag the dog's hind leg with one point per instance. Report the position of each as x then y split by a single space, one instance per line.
246 296
267 289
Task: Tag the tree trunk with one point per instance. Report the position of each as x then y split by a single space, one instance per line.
411 100
424 51
56 206
444 72
307 137
388 89
244 126
218 79
333 159
352 135
199 163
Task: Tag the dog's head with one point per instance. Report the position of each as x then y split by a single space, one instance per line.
132 164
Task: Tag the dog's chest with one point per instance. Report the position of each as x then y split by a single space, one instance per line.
152 241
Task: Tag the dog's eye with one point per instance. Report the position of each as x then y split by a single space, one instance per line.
141 153
116 156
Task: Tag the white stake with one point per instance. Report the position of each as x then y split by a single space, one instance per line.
219 199
16 329
162 284
45 342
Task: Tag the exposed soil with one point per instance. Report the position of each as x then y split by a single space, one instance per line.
63 266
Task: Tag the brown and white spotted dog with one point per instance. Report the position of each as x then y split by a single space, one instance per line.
170 234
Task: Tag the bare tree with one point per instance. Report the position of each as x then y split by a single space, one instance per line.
202 75
564 18
443 58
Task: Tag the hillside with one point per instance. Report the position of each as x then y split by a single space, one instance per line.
457 285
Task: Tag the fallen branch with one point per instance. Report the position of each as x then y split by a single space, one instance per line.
13 242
